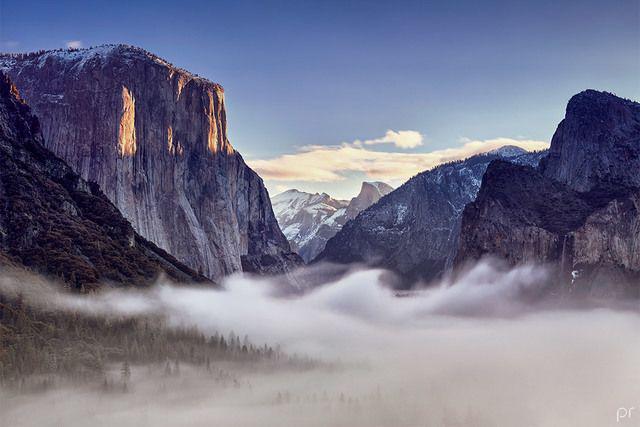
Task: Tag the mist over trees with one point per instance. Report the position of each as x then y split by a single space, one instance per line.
38 346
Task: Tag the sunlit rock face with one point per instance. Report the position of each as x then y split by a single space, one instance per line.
579 211
54 222
127 130
154 138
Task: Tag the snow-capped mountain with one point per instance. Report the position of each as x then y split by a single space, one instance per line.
308 220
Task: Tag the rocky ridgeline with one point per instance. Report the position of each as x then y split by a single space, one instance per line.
414 230
578 212
154 138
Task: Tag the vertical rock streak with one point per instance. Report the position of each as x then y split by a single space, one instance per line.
212 136
127 129
59 224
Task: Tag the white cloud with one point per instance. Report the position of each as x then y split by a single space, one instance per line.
402 139
74 44
332 163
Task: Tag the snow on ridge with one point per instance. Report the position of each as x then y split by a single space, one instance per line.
508 151
78 58
308 220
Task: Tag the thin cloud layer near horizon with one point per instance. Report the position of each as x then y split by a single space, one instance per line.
333 166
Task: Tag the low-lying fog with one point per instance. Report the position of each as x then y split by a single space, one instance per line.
464 354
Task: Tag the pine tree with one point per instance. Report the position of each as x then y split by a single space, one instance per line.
125 371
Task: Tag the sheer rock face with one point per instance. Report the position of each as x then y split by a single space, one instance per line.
369 194
579 211
56 223
414 230
154 138
598 141
310 220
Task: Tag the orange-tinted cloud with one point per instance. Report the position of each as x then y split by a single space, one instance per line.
331 163
402 139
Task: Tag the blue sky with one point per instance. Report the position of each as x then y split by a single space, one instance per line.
301 74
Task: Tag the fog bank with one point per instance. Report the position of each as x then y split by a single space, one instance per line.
468 353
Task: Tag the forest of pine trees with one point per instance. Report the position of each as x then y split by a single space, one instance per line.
49 344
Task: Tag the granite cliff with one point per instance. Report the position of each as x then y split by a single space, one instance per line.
154 138
577 212
597 142
54 222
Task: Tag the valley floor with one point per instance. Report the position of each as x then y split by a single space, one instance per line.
468 354
567 368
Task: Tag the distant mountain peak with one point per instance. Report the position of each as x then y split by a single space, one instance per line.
508 151
380 186
308 220
370 193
